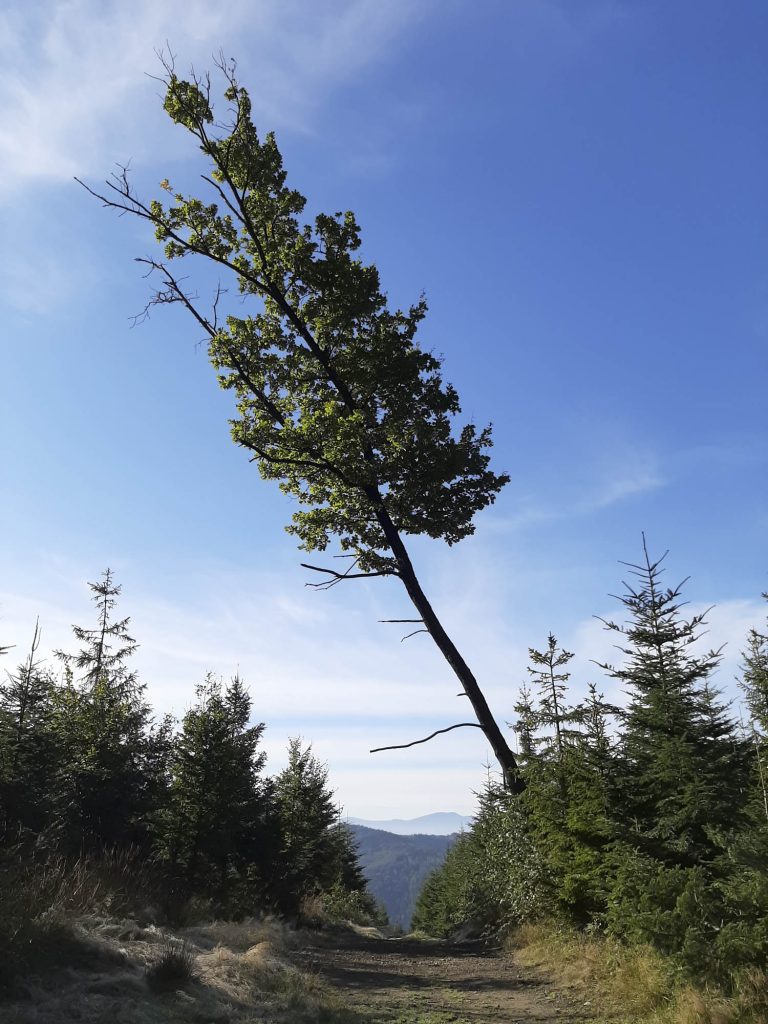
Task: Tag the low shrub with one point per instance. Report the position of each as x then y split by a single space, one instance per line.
357 906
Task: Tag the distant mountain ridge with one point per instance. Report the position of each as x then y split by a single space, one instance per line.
444 823
396 866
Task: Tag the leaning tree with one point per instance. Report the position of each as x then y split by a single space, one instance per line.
335 398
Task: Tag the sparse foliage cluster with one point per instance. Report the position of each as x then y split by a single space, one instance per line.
646 822
86 772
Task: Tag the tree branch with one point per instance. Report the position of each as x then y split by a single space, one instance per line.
285 460
175 293
337 577
134 205
437 732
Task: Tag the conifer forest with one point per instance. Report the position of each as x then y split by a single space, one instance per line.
183 812
647 823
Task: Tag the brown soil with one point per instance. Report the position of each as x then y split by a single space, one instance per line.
407 981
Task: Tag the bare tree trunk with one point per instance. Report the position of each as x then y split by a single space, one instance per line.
486 721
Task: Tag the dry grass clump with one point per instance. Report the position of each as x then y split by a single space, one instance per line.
635 985
367 931
173 969
222 970
748 1003
312 911
689 1006
261 958
752 994
241 935
257 971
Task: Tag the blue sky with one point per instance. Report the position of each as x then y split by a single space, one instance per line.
579 188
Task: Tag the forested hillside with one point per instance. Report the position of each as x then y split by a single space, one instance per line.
648 822
177 818
395 867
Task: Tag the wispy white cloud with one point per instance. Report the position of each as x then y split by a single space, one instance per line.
316 665
296 650
641 478
603 481
74 97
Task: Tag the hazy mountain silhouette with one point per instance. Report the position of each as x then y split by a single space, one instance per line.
445 823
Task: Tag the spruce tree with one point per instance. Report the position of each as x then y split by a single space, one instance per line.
681 784
345 890
565 798
755 675
541 727
211 835
591 768
743 939
593 714
547 669
308 820
493 878
108 774
525 726
678 740
107 646
754 684
28 747
456 893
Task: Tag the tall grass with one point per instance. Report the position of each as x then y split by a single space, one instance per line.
636 985
42 897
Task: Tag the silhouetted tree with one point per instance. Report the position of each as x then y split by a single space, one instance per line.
313 846
28 747
211 834
108 772
107 646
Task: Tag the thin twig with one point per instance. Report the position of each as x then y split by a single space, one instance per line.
409 635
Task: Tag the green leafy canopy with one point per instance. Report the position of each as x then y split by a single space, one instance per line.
335 398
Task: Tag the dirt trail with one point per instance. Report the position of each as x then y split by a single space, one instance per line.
405 981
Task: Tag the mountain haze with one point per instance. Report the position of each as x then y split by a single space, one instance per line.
444 823
396 866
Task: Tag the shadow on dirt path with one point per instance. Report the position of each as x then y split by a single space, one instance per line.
405 981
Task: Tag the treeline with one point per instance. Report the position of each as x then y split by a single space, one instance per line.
647 822
87 772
